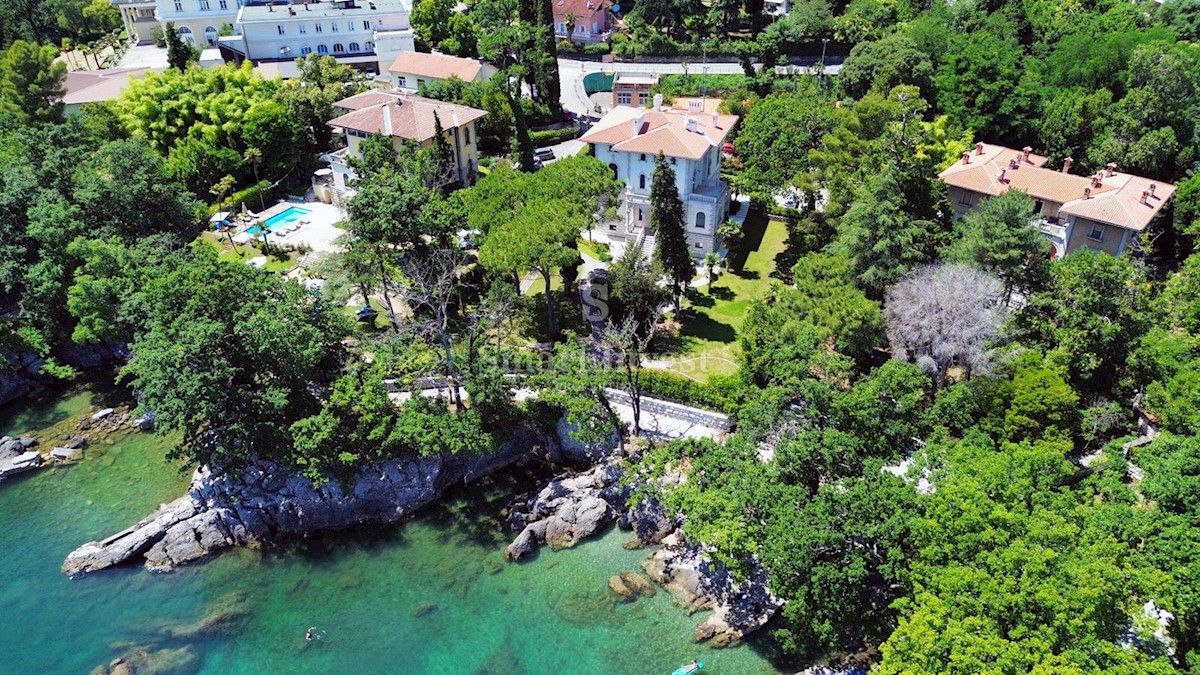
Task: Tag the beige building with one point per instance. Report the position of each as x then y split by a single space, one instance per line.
404 117
139 19
410 70
1103 212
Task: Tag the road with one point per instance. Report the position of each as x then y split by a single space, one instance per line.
571 72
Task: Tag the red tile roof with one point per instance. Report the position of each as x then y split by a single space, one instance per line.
436 66
401 115
1117 200
660 130
584 9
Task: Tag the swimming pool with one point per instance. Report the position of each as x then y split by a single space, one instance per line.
286 217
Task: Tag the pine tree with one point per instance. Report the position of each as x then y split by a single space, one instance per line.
445 171
666 217
178 53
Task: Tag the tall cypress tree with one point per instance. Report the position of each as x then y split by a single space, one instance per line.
444 168
666 217
178 52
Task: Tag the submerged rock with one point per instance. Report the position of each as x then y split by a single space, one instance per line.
142 661
66 454
628 586
265 502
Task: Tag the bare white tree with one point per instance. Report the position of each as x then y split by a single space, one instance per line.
944 316
429 287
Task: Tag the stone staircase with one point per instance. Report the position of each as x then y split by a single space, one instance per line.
647 245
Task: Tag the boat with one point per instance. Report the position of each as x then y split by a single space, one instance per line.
688 668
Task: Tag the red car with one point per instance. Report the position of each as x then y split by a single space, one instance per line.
727 148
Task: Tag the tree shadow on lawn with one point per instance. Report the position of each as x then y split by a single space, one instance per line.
722 293
752 236
706 328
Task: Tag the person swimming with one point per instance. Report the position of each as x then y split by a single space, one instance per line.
310 634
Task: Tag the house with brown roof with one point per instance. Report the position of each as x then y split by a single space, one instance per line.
404 117
96 86
628 139
589 18
413 69
1103 212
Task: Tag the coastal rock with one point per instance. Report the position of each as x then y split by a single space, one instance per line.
75 443
28 442
22 462
567 510
649 521
145 422
10 447
97 416
572 451
265 501
739 607
65 454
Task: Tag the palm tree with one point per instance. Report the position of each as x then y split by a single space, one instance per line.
253 156
711 262
569 20
222 189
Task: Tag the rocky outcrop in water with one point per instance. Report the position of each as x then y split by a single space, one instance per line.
567 510
696 583
266 501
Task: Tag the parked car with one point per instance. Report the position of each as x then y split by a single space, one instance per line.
727 148
544 154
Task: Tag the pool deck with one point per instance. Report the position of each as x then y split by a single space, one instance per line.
319 231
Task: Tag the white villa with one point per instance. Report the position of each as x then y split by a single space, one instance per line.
369 34
403 117
628 139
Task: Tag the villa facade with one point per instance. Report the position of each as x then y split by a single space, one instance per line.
403 117
590 18
1102 212
628 140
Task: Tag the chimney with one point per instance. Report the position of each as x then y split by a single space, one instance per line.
1110 168
1067 165
691 125
637 124
1087 193
714 121
1152 186
979 148
1145 195
1014 164
387 119
695 106
270 6
658 101
291 11
1025 153
307 8
1098 179
1000 174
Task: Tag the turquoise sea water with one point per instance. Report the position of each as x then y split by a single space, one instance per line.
432 595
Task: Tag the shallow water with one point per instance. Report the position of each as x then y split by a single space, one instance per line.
432 595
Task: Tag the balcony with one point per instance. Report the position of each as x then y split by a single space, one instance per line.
713 191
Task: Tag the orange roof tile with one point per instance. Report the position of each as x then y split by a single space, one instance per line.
436 66
401 115
1115 201
660 130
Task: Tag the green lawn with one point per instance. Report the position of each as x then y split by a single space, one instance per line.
243 252
708 341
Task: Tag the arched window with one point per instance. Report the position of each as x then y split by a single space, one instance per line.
338 48
354 48
700 220
305 50
210 35
186 35
370 46
614 169
642 182
322 49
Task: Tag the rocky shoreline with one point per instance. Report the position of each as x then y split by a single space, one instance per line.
65 442
265 502
572 507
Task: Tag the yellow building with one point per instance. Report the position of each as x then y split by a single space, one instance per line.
404 117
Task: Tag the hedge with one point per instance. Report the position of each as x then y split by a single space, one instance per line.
248 196
553 136
720 393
